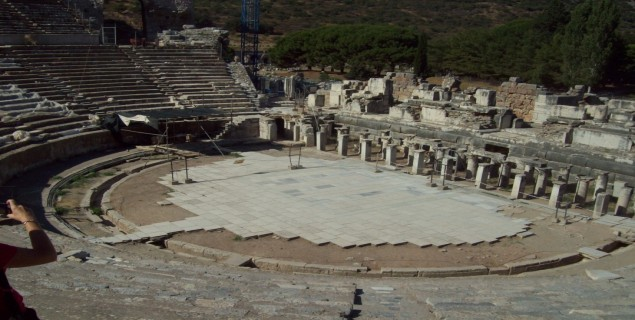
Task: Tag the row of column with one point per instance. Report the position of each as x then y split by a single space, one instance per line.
481 172
559 188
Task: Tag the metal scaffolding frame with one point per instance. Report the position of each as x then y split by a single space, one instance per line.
249 28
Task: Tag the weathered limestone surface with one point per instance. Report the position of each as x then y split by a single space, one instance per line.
520 97
403 85
609 139
192 36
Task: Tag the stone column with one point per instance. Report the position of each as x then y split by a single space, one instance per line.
363 136
601 183
529 173
270 133
623 201
472 165
406 152
340 131
447 168
618 186
582 189
309 138
391 155
289 129
439 154
296 132
518 190
321 141
411 155
418 163
482 173
541 182
602 200
506 171
384 145
366 149
494 170
342 145
556 193
329 128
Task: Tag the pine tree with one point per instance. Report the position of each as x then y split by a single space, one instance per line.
588 42
552 19
421 56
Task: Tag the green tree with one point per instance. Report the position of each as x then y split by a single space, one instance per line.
589 42
629 66
548 59
361 47
553 19
420 63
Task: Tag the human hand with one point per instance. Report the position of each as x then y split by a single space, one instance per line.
19 212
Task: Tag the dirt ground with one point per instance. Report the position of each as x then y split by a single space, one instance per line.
137 200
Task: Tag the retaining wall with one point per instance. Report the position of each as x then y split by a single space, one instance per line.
36 155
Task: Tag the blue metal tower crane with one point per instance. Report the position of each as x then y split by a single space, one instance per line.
249 27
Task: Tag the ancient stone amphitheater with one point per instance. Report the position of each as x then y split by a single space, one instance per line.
64 105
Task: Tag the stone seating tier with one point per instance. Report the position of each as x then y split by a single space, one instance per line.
47 123
64 127
131 99
105 80
213 95
228 80
225 102
14 146
34 117
77 67
131 107
212 63
121 91
11 22
47 17
88 76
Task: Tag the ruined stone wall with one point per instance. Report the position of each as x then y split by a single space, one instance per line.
403 85
88 9
520 97
159 14
167 14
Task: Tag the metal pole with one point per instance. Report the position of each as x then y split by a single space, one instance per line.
171 169
567 181
186 170
377 158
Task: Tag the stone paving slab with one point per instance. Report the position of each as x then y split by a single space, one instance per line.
592 253
342 202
